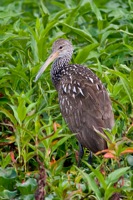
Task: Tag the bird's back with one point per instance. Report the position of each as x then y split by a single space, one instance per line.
85 104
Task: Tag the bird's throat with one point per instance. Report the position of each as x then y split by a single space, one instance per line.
58 70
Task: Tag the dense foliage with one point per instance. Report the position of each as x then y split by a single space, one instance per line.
35 142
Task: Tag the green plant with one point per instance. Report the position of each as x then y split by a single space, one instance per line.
30 121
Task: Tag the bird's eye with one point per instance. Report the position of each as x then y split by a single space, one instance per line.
60 47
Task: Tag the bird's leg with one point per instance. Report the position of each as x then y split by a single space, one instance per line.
90 158
81 153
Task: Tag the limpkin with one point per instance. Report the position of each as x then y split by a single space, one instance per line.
84 101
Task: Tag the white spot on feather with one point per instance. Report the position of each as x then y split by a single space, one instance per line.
97 87
69 86
74 89
71 107
66 110
81 102
62 101
70 77
91 79
80 90
73 95
64 88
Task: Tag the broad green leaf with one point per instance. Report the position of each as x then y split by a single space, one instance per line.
9 14
61 141
115 175
109 192
44 8
7 178
6 194
5 161
127 89
28 187
9 115
129 47
95 10
87 36
91 184
14 109
84 53
125 83
131 79
130 160
28 197
99 175
71 17
21 109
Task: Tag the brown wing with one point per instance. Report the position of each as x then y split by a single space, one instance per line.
85 104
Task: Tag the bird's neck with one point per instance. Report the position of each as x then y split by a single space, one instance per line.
58 70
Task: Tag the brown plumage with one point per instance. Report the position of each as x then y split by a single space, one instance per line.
83 99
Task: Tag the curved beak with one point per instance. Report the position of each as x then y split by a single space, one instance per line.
50 59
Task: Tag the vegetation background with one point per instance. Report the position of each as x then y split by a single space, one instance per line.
37 151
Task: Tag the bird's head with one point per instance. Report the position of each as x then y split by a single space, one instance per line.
61 49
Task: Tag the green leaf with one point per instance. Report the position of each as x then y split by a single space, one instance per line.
83 53
61 141
28 197
127 89
113 177
6 194
28 187
124 81
21 109
131 79
5 161
14 108
109 192
44 8
8 114
91 183
7 178
130 160
86 35
95 10
99 175
129 47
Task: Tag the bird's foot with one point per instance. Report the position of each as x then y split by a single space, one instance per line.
81 153
90 158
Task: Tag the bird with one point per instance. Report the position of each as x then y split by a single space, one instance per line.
84 101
